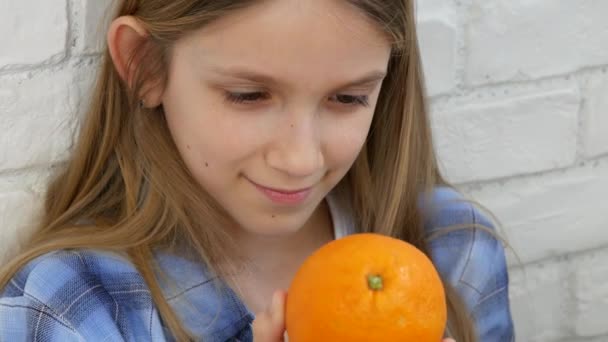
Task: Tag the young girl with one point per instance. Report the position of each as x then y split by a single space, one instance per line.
226 141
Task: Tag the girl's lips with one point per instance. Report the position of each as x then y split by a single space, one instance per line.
284 196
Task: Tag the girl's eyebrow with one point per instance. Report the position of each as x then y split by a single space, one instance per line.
259 77
369 78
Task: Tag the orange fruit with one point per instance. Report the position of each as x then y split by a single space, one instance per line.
366 287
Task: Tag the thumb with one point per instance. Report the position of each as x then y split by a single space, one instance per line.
277 308
269 325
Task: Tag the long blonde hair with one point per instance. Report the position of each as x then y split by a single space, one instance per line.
125 188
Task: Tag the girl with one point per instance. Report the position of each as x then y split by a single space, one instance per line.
226 140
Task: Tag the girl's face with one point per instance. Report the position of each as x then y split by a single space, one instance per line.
270 106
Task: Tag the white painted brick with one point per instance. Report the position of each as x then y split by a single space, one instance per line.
92 17
19 211
32 31
31 180
507 137
591 291
39 114
437 33
553 214
540 298
603 338
595 136
563 299
21 196
523 39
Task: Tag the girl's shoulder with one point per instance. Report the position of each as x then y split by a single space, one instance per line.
465 246
468 252
446 207
77 295
57 270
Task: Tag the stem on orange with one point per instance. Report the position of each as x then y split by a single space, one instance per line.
374 282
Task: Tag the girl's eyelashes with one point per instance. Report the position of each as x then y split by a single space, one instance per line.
250 97
255 97
351 100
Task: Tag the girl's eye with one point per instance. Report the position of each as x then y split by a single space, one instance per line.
252 97
351 100
246 97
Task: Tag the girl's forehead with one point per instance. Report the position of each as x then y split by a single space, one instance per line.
288 34
288 24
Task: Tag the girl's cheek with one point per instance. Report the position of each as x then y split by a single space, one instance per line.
346 144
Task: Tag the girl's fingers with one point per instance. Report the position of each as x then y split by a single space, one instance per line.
277 308
269 326
261 327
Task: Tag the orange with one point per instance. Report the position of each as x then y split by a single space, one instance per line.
366 287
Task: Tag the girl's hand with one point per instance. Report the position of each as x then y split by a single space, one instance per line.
269 326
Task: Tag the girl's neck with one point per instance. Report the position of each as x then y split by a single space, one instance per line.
265 253
271 262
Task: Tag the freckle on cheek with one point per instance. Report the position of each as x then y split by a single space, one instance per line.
206 164
273 216
188 146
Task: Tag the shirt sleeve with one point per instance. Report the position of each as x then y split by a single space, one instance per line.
71 296
25 319
471 257
490 308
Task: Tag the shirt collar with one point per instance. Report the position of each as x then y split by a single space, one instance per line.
206 306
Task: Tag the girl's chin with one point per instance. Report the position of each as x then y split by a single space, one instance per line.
275 225
274 230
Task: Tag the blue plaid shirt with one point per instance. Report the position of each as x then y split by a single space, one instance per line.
91 295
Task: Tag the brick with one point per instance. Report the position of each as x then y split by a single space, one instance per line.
561 299
92 18
33 32
438 38
591 293
537 314
39 115
21 196
522 39
553 214
501 138
602 338
595 134
19 211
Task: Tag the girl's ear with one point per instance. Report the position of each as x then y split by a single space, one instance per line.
125 34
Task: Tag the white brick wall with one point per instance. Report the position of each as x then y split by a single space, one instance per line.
31 37
520 113
525 40
519 96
